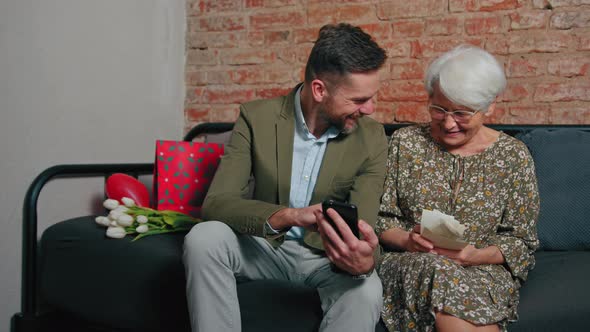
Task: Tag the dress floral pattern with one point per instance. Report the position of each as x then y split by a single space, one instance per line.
493 193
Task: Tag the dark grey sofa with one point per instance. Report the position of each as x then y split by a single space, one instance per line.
75 279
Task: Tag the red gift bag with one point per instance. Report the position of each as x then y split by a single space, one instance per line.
182 174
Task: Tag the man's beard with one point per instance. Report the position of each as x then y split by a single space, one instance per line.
338 123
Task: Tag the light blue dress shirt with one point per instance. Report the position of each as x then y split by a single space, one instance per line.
308 152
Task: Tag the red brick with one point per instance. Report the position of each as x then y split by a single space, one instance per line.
430 48
528 20
552 92
248 56
541 4
193 24
412 112
247 75
213 6
204 40
570 66
283 19
201 57
272 92
194 95
548 4
279 75
408 28
334 1
322 14
415 8
295 55
379 31
526 67
494 5
256 38
583 42
443 26
497 45
270 38
407 70
517 92
197 113
534 114
196 78
227 95
384 112
484 25
219 77
403 91
269 3
542 42
222 23
462 6
497 115
305 35
570 114
224 113
397 48
569 20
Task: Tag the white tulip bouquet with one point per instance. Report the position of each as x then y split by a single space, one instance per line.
129 218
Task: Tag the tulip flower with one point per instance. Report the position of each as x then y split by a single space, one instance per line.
111 204
142 228
128 201
116 232
125 220
142 219
130 218
103 221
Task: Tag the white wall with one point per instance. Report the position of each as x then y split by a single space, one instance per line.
81 81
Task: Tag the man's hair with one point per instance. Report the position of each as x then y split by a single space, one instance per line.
343 49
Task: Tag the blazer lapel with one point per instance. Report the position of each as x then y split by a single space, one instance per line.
332 161
284 133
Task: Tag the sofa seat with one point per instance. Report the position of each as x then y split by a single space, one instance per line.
140 286
555 297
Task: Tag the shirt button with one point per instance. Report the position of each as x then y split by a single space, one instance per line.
306 178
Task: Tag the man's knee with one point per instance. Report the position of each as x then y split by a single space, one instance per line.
370 293
206 238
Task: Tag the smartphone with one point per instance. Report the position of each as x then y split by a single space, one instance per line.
347 211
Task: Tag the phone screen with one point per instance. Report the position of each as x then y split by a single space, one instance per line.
347 211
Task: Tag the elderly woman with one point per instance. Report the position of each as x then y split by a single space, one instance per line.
482 177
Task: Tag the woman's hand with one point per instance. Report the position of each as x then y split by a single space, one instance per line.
417 243
471 256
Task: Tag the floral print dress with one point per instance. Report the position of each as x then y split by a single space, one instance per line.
493 193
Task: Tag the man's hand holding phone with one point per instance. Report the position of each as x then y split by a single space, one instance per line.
343 247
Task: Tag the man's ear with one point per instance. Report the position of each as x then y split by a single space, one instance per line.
319 90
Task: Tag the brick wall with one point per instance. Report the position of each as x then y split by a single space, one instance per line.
239 50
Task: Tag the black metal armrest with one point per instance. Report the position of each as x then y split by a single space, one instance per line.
29 247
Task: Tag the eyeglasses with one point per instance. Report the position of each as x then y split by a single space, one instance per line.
439 113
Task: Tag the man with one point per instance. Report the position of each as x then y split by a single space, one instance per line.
311 145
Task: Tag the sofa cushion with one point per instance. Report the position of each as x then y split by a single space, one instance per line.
555 296
140 286
130 285
562 161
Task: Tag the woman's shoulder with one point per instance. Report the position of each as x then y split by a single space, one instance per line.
415 131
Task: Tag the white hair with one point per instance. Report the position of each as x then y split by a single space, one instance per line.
467 76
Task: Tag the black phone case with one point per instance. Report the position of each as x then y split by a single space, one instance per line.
347 211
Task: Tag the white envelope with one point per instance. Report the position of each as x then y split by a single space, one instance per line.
435 227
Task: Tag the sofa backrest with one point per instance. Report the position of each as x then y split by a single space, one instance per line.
562 161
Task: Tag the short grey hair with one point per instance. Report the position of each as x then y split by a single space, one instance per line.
467 76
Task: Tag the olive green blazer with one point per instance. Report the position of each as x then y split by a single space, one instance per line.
261 146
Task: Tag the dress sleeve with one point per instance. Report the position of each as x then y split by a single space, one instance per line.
389 211
516 236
